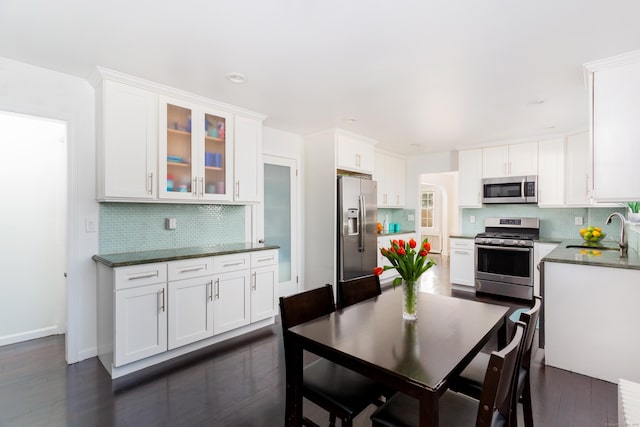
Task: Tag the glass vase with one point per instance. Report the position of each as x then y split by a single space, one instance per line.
410 299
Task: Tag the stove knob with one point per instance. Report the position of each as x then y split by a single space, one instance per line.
522 243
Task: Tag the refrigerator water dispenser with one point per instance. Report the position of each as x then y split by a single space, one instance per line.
352 222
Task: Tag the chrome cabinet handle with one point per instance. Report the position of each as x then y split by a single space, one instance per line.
217 288
237 189
143 276
150 187
254 280
201 187
210 290
267 258
194 190
162 306
188 270
231 264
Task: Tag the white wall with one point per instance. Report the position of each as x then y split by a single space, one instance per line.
40 92
426 163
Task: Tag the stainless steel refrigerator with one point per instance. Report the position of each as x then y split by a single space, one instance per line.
357 231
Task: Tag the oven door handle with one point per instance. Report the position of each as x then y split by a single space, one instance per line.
506 248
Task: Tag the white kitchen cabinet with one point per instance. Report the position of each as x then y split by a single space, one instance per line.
551 161
191 311
231 301
470 178
614 86
248 167
510 160
196 154
140 323
462 262
540 250
355 153
264 286
127 142
390 174
578 170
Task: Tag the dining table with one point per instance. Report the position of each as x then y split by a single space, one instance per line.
418 358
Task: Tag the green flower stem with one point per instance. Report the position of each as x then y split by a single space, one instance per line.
410 297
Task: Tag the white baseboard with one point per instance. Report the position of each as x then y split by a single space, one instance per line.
87 353
29 335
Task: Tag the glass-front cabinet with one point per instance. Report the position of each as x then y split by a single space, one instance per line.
195 152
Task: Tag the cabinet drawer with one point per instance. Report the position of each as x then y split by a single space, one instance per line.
140 275
188 268
233 262
462 243
260 258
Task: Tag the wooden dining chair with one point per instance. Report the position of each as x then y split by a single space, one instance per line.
470 380
457 410
340 391
353 291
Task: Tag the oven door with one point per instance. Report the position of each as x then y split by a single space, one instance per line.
505 264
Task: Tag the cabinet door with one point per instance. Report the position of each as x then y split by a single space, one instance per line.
140 323
551 172
616 132
578 173
462 262
354 154
495 161
263 292
470 178
190 311
128 144
523 159
395 181
248 160
179 154
215 134
231 301
379 168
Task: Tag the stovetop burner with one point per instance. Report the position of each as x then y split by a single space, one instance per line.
509 232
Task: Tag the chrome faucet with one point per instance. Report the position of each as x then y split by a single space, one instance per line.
624 245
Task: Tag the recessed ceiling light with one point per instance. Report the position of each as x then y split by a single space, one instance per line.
349 120
550 127
536 101
415 145
236 78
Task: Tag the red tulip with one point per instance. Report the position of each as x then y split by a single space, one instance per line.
378 271
412 244
392 249
423 253
401 243
427 246
384 251
401 251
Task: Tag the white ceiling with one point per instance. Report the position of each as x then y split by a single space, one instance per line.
419 75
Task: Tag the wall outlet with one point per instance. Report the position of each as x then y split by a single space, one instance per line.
578 220
91 224
472 219
170 223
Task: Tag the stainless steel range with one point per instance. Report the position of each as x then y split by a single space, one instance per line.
504 257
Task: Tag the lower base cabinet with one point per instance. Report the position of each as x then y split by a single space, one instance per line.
149 313
462 262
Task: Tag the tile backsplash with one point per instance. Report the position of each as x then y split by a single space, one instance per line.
556 223
133 227
400 216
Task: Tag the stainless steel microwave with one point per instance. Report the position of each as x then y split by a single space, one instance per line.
510 189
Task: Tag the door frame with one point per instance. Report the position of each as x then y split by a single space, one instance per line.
294 285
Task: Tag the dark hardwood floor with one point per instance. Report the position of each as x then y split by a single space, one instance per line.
236 383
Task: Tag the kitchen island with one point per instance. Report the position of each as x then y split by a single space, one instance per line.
589 322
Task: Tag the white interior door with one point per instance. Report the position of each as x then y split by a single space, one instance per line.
281 218
33 227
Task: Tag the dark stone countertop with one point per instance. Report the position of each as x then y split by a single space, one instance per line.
595 255
163 255
396 234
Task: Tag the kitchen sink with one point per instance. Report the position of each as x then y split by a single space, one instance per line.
596 248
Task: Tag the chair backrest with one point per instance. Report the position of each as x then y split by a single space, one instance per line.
352 291
530 318
305 306
499 380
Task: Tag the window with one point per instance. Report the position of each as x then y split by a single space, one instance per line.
427 208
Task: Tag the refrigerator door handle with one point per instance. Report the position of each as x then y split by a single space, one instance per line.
363 222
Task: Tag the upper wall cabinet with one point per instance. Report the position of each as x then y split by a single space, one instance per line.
355 153
551 172
614 86
127 142
578 170
163 145
510 160
196 156
470 178
390 173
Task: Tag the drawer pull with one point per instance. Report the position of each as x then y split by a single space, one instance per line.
143 276
270 258
188 270
231 264
162 306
